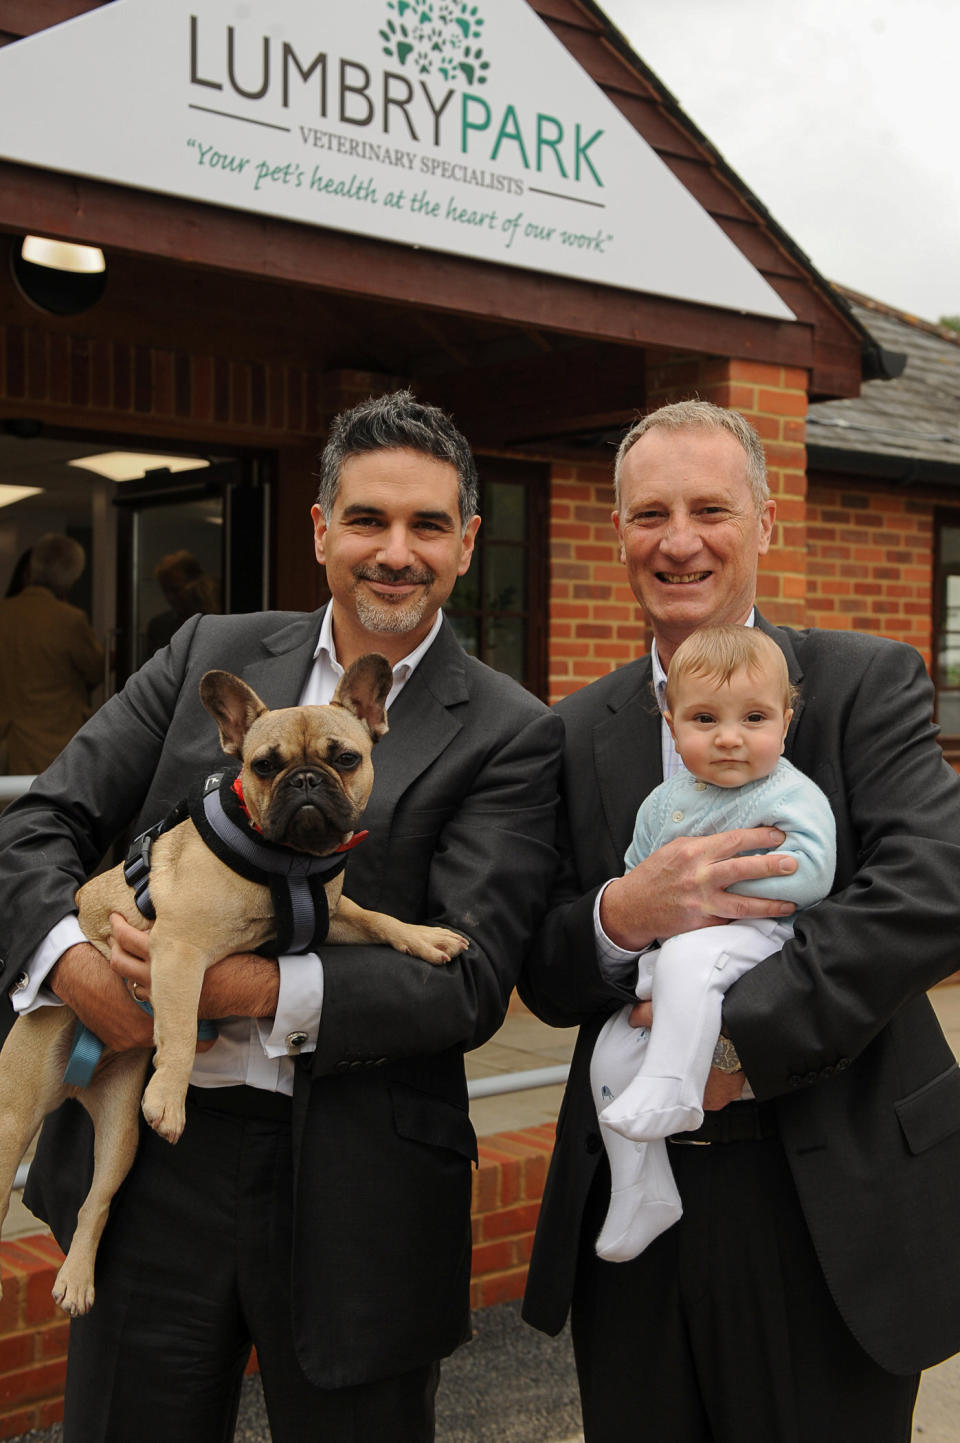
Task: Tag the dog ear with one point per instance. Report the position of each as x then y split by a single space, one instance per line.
233 705
363 689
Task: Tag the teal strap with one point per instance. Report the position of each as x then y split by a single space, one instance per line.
84 1056
206 1028
87 1048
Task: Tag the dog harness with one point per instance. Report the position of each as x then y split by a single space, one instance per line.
297 880
297 883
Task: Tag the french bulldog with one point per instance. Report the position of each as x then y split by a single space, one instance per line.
306 775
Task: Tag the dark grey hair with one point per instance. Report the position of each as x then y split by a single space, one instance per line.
396 421
56 562
703 416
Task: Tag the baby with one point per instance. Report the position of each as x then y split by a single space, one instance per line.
728 706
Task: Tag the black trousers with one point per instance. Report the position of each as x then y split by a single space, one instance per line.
723 1330
194 1267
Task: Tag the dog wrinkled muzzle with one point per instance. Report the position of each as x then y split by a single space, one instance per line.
310 811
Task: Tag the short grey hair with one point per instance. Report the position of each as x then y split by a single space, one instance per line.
397 421
56 562
703 416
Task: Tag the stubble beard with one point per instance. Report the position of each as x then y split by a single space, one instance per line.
395 618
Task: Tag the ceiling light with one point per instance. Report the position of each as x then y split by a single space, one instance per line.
62 255
131 465
11 494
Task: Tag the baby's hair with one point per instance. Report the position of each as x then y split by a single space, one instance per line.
716 652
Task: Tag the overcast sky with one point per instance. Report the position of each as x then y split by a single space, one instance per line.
841 115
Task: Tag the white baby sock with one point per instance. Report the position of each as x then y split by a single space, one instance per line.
644 1200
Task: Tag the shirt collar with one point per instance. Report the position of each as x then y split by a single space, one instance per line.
660 676
404 669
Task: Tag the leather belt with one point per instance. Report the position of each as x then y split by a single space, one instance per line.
242 1101
738 1122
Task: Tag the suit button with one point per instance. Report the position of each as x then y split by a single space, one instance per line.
826 1071
795 1080
594 1142
842 1062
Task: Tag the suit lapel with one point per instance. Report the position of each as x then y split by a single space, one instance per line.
784 640
627 753
422 722
280 674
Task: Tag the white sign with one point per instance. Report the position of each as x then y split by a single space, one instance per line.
458 126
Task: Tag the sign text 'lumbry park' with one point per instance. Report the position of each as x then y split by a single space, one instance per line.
458 127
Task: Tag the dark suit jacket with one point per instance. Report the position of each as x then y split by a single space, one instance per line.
835 1029
461 824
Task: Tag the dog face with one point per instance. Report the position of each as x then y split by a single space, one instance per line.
307 771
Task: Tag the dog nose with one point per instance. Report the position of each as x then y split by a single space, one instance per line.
305 781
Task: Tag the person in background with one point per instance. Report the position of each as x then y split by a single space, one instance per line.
187 589
50 659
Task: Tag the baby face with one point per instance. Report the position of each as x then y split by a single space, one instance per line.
731 732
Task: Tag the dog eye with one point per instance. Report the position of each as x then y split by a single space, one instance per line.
265 767
347 761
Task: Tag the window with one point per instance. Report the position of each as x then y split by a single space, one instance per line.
947 623
498 610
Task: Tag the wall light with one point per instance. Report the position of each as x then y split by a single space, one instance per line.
62 255
57 277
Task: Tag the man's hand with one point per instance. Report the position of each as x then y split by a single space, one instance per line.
243 985
683 885
721 1088
84 980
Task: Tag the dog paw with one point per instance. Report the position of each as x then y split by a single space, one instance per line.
165 1112
73 1294
435 944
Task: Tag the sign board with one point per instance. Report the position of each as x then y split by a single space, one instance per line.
462 126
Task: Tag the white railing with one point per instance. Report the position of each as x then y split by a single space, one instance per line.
478 1087
13 787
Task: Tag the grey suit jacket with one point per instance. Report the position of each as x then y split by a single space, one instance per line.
835 1030
461 824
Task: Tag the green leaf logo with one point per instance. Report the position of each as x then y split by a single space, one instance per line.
437 37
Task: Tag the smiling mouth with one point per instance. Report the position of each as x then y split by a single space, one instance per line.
685 578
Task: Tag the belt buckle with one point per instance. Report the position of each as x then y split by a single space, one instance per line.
691 1141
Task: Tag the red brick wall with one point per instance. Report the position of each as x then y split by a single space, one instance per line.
507 1189
595 624
870 559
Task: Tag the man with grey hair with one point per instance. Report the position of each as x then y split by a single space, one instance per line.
814 1271
50 659
318 1202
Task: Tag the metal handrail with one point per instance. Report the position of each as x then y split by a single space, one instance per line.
505 1082
13 787
497 1086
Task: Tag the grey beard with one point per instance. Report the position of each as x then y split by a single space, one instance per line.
394 619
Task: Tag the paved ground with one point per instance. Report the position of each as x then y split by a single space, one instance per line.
512 1385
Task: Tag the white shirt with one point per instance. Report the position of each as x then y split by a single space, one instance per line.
251 1050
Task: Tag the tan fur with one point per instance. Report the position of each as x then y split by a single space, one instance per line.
189 936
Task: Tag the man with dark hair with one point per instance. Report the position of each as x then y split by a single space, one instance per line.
814 1270
50 659
317 1204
